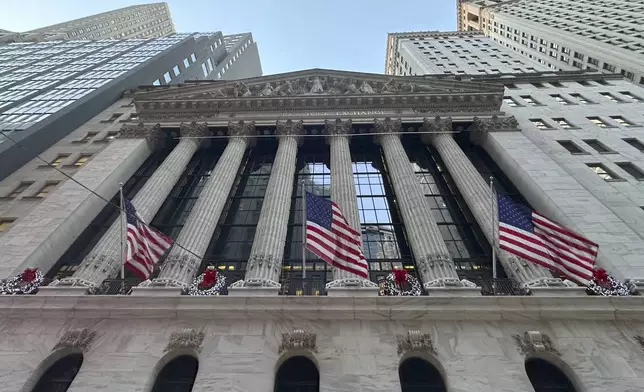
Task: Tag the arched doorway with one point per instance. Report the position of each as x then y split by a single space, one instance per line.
60 375
178 375
546 377
418 375
297 374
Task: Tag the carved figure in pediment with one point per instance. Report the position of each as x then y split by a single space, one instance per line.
389 87
350 87
267 91
241 90
366 88
217 93
316 87
285 88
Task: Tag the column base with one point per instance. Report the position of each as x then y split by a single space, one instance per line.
453 291
156 291
62 290
561 291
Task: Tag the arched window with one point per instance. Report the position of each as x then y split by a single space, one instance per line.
546 377
418 375
178 375
297 374
60 375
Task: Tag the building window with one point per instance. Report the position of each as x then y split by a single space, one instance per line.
114 117
531 101
88 136
584 83
510 102
602 171
631 96
176 70
581 99
58 160
417 374
598 121
60 375
110 136
167 77
563 123
186 63
545 376
204 69
622 121
511 86
539 123
561 99
297 373
5 222
20 188
598 146
611 97
631 169
556 84
538 85
82 160
571 147
177 375
193 57
635 143
156 83
45 190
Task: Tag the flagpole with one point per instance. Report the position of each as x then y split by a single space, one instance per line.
303 231
123 218
493 229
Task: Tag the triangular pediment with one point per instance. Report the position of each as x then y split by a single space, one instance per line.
315 83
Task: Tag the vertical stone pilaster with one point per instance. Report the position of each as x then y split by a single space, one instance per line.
343 192
478 195
105 258
180 266
433 261
265 262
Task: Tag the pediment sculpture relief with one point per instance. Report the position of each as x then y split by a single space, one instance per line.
318 85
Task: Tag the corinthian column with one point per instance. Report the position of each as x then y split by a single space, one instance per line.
105 258
265 261
343 192
479 197
180 266
437 270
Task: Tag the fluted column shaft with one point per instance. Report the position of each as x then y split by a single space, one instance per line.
343 189
105 258
180 265
265 261
435 265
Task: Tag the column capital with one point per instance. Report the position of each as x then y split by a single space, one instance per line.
152 133
241 128
290 128
194 130
482 126
337 127
435 126
388 125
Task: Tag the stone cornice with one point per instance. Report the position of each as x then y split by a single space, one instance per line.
522 308
546 76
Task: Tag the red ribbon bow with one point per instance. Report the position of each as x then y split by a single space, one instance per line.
600 275
400 276
209 278
29 274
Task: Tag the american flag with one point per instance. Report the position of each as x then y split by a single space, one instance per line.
536 238
329 236
145 246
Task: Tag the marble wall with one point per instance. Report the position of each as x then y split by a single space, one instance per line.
352 355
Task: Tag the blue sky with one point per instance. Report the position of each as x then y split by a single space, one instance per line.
291 34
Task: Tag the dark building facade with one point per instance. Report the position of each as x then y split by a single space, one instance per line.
47 89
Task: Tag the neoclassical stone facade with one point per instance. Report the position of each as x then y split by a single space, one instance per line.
221 168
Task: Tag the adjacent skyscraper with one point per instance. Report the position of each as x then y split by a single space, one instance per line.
137 21
49 88
583 34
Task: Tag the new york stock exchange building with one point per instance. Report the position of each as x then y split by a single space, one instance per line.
221 168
